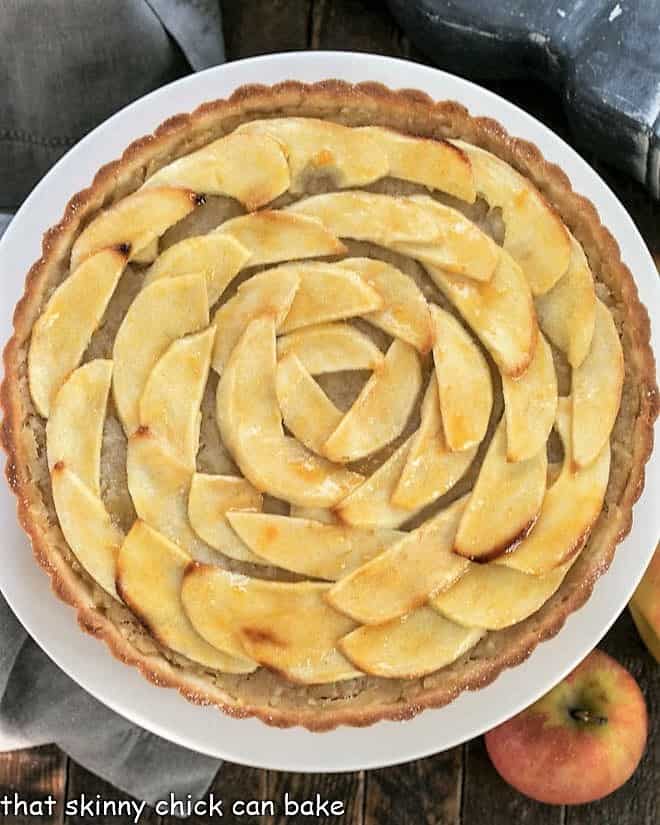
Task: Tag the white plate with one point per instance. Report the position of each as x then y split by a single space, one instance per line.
251 742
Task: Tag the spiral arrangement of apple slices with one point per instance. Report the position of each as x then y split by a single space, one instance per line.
368 597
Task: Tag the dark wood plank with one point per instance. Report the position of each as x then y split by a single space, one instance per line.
254 27
33 774
84 786
345 788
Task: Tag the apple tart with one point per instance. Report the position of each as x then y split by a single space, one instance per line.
327 402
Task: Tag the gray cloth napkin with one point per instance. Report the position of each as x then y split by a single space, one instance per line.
65 67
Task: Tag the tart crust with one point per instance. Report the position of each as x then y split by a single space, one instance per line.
370 699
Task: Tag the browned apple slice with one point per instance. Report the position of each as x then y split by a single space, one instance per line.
504 504
570 508
306 546
314 147
150 572
251 168
306 410
437 164
405 313
271 236
567 312
409 647
403 577
286 627
75 428
218 257
500 312
530 404
431 468
62 332
161 313
135 221
381 410
535 234
464 385
331 348
596 387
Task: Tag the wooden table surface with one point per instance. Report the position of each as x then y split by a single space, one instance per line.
458 787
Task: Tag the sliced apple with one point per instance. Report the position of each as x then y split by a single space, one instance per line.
328 292
271 236
405 313
570 508
314 513
147 254
249 167
250 424
403 577
381 410
567 312
530 404
62 332
307 411
464 384
596 387
170 403
500 312
87 527
75 428
437 164
286 627
431 468
504 504
150 572
209 500
348 156
161 313
535 234
409 647
331 348
135 221
218 257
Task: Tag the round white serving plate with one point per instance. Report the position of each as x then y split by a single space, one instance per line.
52 624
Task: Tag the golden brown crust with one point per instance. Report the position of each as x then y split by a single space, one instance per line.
414 112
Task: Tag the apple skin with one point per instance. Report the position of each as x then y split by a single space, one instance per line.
645 606
551 756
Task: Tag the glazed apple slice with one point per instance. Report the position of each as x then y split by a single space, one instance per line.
163 312
431 468
307 411
380 412
535 234
170 403
148 253
596 388
74 432
250 424
464 384
409 647
331 348
314 147
530 404
567 312
403 577
251 168
268 293
504 504
218 257
134 222
62 332
150 572
500 312
405 313
436 164
286 627
314 513
309 547
271 236
570 508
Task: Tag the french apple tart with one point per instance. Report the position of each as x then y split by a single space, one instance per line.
327 402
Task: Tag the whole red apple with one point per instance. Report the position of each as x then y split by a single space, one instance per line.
578 743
